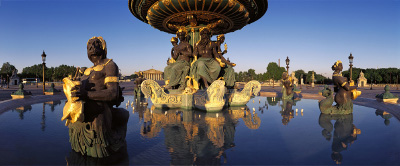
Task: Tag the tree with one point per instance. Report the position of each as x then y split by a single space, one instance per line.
7 69
251 74
274 71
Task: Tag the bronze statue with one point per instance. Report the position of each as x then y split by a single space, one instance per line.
100 129
176 72
205 68
345 93
287 89
137 91
227 71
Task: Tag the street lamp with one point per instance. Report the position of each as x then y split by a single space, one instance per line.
351 67
44 65
287 64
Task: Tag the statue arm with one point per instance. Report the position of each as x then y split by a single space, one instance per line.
345 85
218 54
174 54
110 93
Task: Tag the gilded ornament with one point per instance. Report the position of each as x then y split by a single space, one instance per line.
231 3
110 79
241 8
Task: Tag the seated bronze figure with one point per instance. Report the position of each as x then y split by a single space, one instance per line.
96 129
345 93
287 89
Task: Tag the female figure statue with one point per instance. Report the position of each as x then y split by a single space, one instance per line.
287 89
227 71
206 68
343 97
176 72
101 130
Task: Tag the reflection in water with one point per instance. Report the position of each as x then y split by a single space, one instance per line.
287 112
53 104
384 115
21 110
194 137
344 134
118 158
43 123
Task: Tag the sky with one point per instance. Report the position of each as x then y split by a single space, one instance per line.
312 33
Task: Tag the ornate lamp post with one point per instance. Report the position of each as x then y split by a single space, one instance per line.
351 67
287 64
44 65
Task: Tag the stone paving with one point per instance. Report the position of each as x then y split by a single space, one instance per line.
367 98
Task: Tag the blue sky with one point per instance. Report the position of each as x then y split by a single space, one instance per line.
313 33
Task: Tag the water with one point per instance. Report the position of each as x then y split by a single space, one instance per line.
268 135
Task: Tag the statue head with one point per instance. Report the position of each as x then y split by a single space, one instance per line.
387 88
221 38
338 66
337 157
96 48
174 41
181 34
284 75
21 86
205 33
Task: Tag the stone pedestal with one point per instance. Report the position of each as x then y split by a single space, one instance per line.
187 101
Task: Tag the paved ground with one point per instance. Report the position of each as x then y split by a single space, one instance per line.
366 92
367 98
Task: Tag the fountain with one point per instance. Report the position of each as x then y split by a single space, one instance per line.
197 73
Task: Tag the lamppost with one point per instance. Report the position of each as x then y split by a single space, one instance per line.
287 64
44 65
351 67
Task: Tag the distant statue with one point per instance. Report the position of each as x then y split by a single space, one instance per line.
176 72
345 93
137 90
344 133
227 71
387 96
295 80
96 129
206 68
287 89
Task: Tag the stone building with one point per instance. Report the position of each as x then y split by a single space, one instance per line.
14 79
361 81
152 74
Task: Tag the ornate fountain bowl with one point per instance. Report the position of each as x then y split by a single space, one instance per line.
221 16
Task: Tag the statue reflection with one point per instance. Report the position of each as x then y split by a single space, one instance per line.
197 138
344 134
118 158
385 115
287 112
53 104
21 110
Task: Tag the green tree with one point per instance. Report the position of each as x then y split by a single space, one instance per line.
274 71
7 69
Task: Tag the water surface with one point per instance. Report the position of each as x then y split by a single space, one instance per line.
266 131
